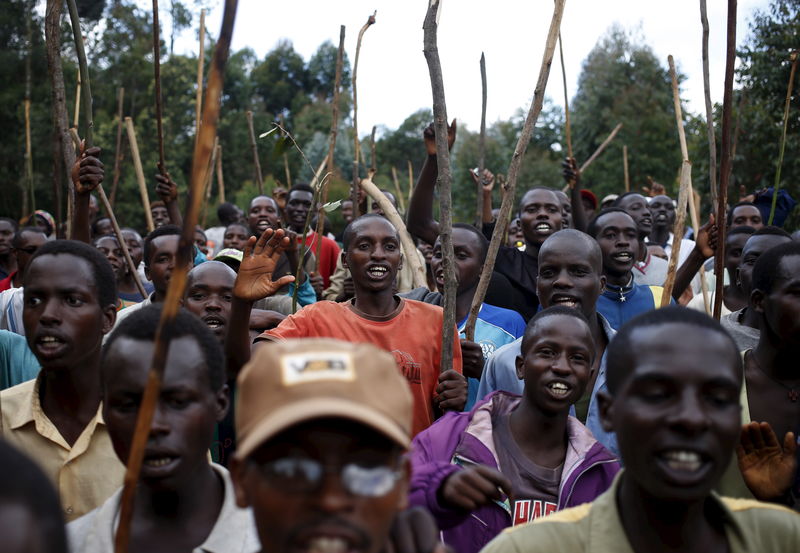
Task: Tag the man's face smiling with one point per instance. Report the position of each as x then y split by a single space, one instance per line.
677 414
329 518
160 216
297 207
556 363
636 206
617 236
186 412
263 214
747 216
468 261
64 322
209 293
568 275
373 255
163 251
539 215
663 211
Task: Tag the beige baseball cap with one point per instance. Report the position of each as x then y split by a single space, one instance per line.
293 381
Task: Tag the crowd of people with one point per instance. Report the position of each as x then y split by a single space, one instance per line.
305 407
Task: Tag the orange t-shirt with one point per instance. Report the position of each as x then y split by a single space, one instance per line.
412 333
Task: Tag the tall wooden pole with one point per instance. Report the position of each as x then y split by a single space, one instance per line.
625 168
725 158
137 166
27 103
201 58
481 146
712 141
356 147
513 168
567 126
77 115
254 147
793 57
220 180
431 51
177 284
157 77
118 153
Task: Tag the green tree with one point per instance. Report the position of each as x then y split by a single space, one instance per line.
622 81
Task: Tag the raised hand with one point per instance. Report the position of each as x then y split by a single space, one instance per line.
570 171
166 189
767 468
474 487
87 172
706 239
429 135
487 182
259 260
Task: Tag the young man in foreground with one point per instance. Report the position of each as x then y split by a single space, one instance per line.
673 400
514 459
323 428
182 502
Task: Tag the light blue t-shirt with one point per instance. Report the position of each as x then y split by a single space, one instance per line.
17 362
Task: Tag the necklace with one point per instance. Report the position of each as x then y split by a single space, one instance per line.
794 395
622 289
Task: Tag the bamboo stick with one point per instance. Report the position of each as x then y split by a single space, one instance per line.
410 180
600 148
209 182
162 168
137 166
77 114
87 99
177 283
481 146
372 164
513 168
254 147
680 222
712 141
400 197
678 232
323 192
356 148
777 186
567 126
201 59
625 168
725 158
220 179
118 150
431 51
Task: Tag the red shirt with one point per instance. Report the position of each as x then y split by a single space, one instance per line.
412 333
6 283
327 258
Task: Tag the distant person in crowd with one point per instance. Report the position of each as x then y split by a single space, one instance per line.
24 244
648 270
8 262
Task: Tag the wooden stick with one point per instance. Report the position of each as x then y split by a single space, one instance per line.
87 100
256 162
323 192
201 59
725 158
209 182
220 180
356 147
177 283
567 126
600 148
481 146
400 197
680 222
27 106
665 298
417 270
793 58
118 151
431 51
625 168
513 168
77 116
157 76
373 164
286 170
58 97
29 158
410 180
712 141
137 166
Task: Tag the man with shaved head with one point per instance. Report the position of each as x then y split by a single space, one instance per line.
570 275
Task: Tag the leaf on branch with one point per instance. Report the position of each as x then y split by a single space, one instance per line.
269 132
332 206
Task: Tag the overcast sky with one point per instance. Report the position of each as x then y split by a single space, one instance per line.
393 79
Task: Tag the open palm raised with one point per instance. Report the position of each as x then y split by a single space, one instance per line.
260 258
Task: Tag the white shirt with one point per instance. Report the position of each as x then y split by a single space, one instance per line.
11 303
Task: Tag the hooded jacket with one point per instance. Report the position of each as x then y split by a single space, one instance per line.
464 439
